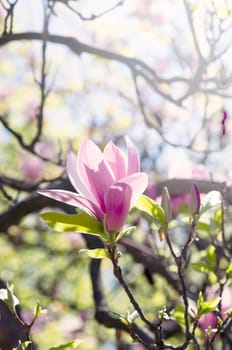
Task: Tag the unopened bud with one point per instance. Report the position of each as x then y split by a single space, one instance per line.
166 204
195 200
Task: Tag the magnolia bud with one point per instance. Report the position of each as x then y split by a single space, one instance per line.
195 200
166 204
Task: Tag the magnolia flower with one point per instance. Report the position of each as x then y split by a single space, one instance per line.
108 183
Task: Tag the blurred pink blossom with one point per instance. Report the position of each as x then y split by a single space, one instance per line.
208 321
179 200
5 91
2 12
75 239
31 110
40 322
45 149
185 169
32 167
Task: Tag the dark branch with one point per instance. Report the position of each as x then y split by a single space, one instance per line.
36 202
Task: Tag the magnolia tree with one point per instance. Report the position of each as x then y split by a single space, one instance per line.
120 258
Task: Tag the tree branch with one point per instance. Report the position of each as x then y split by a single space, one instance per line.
37 202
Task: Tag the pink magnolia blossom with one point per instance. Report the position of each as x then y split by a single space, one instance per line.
108 183
32 167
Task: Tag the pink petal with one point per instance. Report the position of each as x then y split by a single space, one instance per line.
100 183
94 172
133 165
75 178
116 159
117 201
138 183
208 320
74 199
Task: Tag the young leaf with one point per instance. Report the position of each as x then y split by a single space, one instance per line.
24 345
126 231
153 209
119 317
38 311
132 317
82 222
98 253
7 295
204 307
211 200
71 345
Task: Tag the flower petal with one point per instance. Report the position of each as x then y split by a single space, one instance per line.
116 159
74 177
100 183
75 200
133 163
117 201
138 183
94 172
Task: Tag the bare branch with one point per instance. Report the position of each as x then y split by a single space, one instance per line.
8 22
93 16
37 202
191 25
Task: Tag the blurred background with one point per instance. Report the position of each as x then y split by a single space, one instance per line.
158 71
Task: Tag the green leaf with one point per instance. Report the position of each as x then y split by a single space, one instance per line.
98 253
178 314
218 218
229 268
71 345
201 267
126 231
212 277
211 256
211 200
203 226
153 209
204 307
82 222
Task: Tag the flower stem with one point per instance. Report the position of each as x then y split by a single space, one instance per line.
114 256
